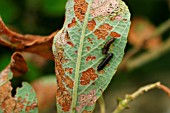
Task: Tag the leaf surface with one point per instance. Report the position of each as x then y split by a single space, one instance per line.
77 48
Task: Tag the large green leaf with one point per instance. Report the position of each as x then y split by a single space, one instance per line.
77 48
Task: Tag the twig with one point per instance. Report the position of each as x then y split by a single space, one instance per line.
148 56
128 98
102 105
165 89
160 30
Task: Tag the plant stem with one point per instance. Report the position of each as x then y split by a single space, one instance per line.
148 56
128 98
160 30
102 104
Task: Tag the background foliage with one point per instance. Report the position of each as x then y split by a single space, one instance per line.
45 16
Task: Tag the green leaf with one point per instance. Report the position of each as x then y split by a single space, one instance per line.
26 98
77 48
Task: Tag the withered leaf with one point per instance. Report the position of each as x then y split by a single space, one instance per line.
41 45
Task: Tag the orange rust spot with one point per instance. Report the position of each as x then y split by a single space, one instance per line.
105 27
90 40
91 25
87 76
115 34
88 48
76 52
102 72
124 20
8 105
20 105
69 70
102 31
67 36
101 34
107 64
85 79
65 102
62 95
80 8
112 18
33 105
70 43
85 111
90 58
69 82
73 23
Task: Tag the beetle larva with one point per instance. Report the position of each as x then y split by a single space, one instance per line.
105 61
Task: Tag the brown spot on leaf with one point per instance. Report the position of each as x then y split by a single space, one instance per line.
73 23
65 101
80 8
70 43
90 58
87 76
105 27
69 82
85 111
101 71
8 105
115 34
69 70
4 74
102 31
63 96
101 34
90 40
88 48
28 108
91 25
7 102
76 52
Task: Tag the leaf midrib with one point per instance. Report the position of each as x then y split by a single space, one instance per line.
76 81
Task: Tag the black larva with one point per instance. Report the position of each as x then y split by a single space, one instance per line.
107 45
105 61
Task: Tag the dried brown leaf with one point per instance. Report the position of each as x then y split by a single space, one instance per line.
140 32
41 45
45 87
18 65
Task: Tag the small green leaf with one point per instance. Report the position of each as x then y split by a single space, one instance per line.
26 98
77 48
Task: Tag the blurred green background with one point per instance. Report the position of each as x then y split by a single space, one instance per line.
43 17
